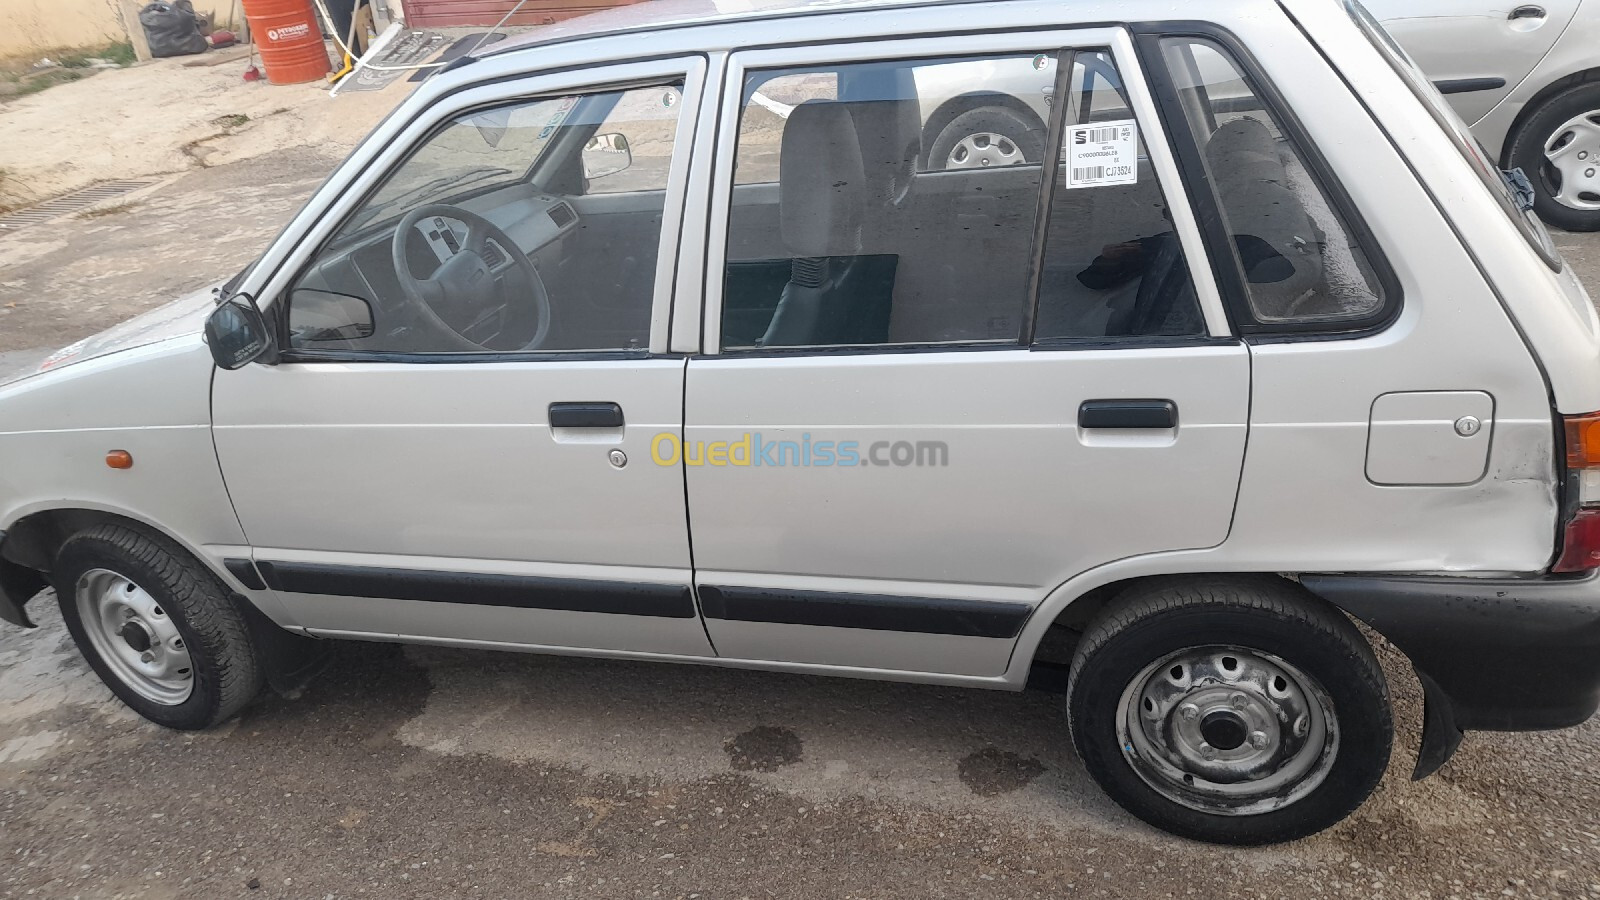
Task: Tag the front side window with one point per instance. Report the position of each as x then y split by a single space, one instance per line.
500 233
1299 257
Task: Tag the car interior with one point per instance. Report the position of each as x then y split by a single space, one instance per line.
534 257
524 229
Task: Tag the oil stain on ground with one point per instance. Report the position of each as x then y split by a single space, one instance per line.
992 771
764 748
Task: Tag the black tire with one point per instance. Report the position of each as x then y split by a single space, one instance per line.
226 676
1027 136
1527 153
1267 615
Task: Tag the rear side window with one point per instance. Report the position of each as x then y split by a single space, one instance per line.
1300 260
899 203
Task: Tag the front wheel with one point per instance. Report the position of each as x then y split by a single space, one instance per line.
157 627
1558 148
1234 711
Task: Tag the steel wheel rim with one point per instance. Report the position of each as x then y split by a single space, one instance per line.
984 149
1227 730
1572 162
135 637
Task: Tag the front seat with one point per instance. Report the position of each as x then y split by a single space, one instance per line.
836 294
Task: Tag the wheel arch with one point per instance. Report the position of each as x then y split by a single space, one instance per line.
952 108
1570 80
1073 606
289 659
34 537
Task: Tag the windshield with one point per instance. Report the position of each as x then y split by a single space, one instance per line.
1500 184
474 150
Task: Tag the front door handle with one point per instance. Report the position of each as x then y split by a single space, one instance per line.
1128 414
1526 12
585 415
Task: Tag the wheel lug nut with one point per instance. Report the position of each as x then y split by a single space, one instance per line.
1258 739
1238 700
1301 726
147 656
1208 751
1189 711
1589 173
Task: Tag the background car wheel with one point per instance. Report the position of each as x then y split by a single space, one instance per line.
157 627
1558 148
1234 711
986 137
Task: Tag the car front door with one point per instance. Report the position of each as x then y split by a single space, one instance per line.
454 444
935 392
1475 52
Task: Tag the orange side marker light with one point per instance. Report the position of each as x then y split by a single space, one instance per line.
119 459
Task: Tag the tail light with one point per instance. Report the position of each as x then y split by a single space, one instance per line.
1580 541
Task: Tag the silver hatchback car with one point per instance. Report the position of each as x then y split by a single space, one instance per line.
692 356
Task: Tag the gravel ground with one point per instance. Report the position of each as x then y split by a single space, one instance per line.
408 772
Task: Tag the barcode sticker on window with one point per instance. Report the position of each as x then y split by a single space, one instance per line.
1101 154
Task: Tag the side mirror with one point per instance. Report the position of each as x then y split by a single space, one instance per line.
606 154
238 334
325 316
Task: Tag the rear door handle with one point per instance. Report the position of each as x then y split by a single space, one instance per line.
1128 414
1526 12
585 415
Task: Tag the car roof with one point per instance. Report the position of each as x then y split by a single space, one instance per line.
653 15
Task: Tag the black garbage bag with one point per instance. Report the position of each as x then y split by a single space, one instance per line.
171 30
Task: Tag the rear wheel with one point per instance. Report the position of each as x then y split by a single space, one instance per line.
157 627
1235 711
1558 148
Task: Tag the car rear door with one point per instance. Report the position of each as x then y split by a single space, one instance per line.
930 397
1475 52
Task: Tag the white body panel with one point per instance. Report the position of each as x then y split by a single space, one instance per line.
453 467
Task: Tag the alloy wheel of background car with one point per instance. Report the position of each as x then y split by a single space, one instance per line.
984 149
1558 147
986 137
1235 710
1574 156
159 629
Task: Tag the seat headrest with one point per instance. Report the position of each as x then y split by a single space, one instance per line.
890 131
822 188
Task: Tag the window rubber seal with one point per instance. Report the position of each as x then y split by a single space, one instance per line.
1208 212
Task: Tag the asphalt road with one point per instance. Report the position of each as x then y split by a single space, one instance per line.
409 772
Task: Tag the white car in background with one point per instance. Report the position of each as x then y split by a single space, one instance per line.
1526 77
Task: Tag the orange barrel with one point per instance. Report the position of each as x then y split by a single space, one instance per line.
290 40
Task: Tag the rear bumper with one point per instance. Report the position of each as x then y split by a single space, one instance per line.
18 585
1501 654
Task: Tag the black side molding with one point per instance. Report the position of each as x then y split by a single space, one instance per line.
1128 414
668 601
1468 85
585 415
877 612
245 571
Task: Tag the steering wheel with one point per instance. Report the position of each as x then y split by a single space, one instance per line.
472 300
